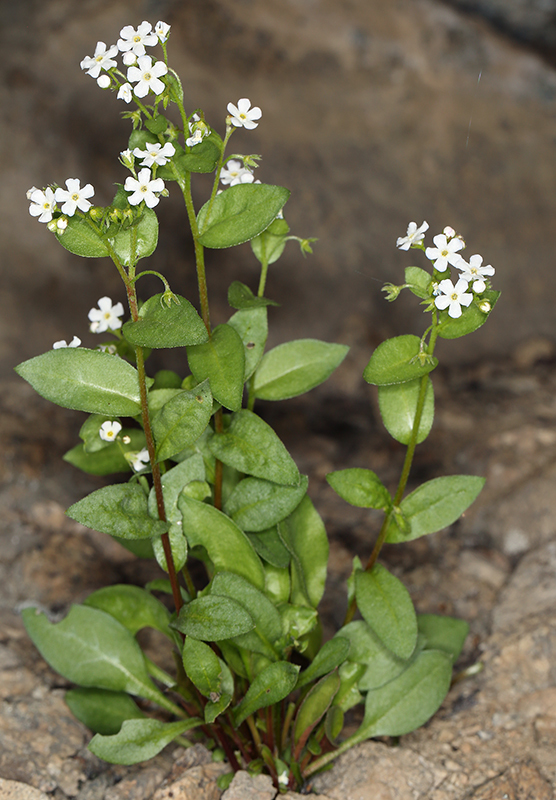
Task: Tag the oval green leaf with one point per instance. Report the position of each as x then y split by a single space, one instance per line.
100 710
256 504
160 325
296 367
81 238
132 606
304 535
139 740
222 361
251 446
270 686
398 405
386 607
119 510
228 547
239 213
360 487
434 505
398 360
212 619
181 421
137 241
471 319
85 380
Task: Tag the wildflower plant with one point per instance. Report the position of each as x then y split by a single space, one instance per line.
209 481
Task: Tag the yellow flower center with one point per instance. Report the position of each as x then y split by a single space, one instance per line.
147 76
75 197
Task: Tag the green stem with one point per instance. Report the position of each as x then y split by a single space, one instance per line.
185 186
404 477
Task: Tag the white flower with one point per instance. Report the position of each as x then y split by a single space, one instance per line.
58 225
138 460
102 59
129 58
75 197
234 172
198 130
449 232
243 115
474 273
75 342
147 76
144 188
42 203
106 316
155 154
162 30
414 235
453 297
445 252
30 192
109 431
283 778
104 81
136 40
125 92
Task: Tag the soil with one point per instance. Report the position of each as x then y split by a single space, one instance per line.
495 734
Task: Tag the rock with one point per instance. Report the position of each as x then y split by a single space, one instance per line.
529 20
250 787
14 790
531 590
197 783
520 782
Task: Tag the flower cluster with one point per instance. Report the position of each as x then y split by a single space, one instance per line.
44 202
446 252
141 69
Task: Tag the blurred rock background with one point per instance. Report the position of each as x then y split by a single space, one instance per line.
374 114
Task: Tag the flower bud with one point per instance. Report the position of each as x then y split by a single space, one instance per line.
485 306
96 213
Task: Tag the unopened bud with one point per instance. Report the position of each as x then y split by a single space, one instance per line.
485 306
96 213
392 292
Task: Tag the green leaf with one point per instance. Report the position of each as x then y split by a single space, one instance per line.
140 137
182 420
398 405
419 282
256 504
447 634
386 606
209 674
251 446
269 546
330 656
81 238
173 483
91 648
213 618
135 608
160 325
85 380
119 510
407 702
203 157
269 687
252 327
313 708
166 379
348 693
240 296
296 367
360 487
304 535
222 361
277 581
268 625
269 245
228 547
397 361
471 319
435 505
297 621
367 649
334 723
100 710
137 241
139 740
157 124
239 213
